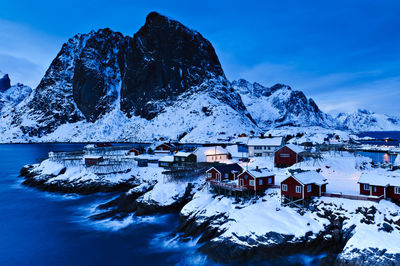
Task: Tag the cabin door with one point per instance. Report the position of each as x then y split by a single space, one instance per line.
241 182
218 177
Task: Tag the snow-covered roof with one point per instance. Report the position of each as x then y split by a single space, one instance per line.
228 168
94 157
258 173
203 152
183 154
380 178
234 151
295 148
310 177
167 159
274 141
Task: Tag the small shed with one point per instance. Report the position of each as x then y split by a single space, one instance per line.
93 160
380 183
222 172
256 179
288 155
164 147
133 152
303 185
142 162
166 161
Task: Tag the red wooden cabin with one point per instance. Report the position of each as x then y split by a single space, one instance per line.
256 179
164 147
133 152
288 155
223 172
380 184
303 185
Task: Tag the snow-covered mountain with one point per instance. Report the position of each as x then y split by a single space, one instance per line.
279 105
165 81
364 120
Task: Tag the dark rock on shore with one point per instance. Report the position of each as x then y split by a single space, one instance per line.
39 181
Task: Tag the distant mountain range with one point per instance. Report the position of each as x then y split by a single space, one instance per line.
165 81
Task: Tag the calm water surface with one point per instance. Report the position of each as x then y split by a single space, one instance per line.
40 228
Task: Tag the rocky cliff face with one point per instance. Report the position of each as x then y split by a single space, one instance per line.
119 82
164 60
4 83
279 105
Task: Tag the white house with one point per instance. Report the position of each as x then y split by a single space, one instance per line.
262 147
211 154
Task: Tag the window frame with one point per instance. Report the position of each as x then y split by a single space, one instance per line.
298 189
284 187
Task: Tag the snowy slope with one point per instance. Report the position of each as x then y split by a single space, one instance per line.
364 120
280 105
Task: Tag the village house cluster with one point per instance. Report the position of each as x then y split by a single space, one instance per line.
229 170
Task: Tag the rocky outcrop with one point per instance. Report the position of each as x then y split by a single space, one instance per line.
164 60
46 182
5 83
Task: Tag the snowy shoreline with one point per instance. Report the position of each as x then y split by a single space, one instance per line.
348 231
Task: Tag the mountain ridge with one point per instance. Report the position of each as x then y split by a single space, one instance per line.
164 81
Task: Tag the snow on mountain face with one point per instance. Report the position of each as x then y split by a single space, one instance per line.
364 120
280 105
104 86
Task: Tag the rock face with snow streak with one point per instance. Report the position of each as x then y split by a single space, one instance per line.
4 83
123 84
364 120
280 105
164 60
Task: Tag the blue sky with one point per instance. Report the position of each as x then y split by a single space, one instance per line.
343 54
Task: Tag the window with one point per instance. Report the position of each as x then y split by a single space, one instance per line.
270 180
374 189
298 189
226 175
260 182
309 188
366 187
258 154
246 176
284 155
251 183
396 190
209 175
284 187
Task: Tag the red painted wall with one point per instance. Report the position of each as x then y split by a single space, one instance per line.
363 191
263 186
284 161
163 147
291 188
390 193
214 173
380 191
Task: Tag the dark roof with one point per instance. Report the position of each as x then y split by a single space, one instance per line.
228 168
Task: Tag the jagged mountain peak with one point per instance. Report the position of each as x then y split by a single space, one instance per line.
164 60
5 82
280 105
365 120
